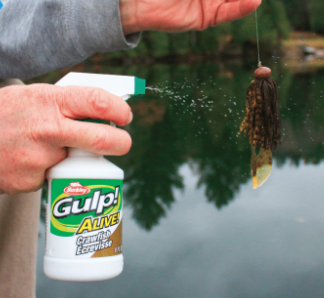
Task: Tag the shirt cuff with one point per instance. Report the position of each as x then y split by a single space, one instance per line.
95 26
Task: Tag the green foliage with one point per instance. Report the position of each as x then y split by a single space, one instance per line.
280 20
273 25
297 13
207 42
158 44
244 29
180 43
316 9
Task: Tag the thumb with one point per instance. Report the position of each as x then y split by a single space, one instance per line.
235 9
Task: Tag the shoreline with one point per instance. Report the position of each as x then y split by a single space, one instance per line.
303 52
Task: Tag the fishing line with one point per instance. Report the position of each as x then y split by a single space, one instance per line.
257 34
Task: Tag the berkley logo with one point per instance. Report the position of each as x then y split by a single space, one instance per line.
76 189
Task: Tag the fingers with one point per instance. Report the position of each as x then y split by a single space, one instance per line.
87 102
235 9
98 138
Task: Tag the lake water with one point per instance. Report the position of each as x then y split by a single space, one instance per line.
193 225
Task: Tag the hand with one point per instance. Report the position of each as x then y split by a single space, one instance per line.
36 124
181 15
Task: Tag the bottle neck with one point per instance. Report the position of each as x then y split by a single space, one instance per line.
75 152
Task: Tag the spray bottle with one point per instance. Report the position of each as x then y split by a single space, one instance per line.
84 210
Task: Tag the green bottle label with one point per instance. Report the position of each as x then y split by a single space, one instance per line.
81 206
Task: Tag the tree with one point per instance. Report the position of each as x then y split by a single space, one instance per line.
297 13
316 9
273 25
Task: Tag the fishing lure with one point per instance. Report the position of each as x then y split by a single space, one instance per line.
262 119
262 122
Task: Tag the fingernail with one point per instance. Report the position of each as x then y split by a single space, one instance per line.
130 117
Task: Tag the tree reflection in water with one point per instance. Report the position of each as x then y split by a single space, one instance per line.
152 172
195 120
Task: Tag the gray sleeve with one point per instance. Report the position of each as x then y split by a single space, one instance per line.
38 36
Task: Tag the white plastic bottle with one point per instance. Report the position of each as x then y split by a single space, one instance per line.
84 219
84 209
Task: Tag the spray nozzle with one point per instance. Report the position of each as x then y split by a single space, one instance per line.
123 86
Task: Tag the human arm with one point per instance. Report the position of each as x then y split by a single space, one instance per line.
40 36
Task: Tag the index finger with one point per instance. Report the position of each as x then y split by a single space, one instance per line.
94 137
78 102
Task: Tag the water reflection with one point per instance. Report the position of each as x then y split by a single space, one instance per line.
195 120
